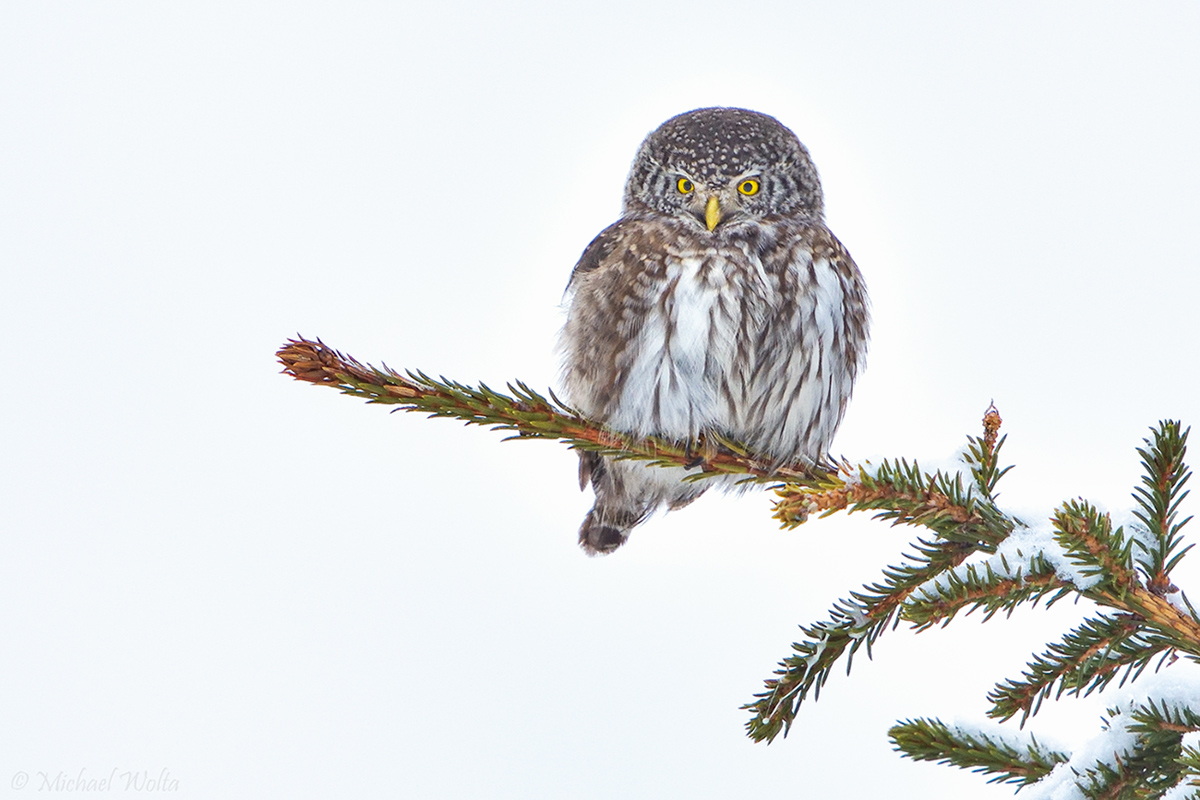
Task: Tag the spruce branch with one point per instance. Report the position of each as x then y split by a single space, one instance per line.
982 454
992 588
932 740
1144 756
1146 624
853 623
529 415
1106 556
963 523
1152 763
1158 500
1159 757
1165 718
1102 554
1115 781
905 495
1189 771
1088 658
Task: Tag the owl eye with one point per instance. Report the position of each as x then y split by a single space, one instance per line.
684 186
748 187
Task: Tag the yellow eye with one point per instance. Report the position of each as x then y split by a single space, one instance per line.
748 187
684 186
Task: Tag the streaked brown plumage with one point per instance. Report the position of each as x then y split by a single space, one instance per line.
719 302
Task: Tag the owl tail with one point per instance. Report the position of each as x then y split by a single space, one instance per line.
607 525
605 529
626 493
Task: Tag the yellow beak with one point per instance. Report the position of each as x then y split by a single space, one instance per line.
712 212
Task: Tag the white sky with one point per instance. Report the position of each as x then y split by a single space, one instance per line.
271 590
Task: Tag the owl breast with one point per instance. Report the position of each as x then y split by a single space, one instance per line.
736 337
688 367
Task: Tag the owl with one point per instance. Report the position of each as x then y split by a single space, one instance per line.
719 303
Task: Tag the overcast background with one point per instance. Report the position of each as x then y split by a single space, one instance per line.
268 589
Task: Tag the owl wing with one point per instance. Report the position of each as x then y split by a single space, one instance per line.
610 296
596 256
855 318
597 252
811 346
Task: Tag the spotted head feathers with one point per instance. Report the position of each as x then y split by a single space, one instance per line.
716 150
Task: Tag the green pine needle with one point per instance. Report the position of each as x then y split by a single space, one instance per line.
1158 500
933 740
1087 659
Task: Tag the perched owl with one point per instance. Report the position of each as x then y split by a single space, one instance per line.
718 303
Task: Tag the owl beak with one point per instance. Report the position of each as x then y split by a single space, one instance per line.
712 212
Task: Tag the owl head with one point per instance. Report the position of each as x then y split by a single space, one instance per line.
721 166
